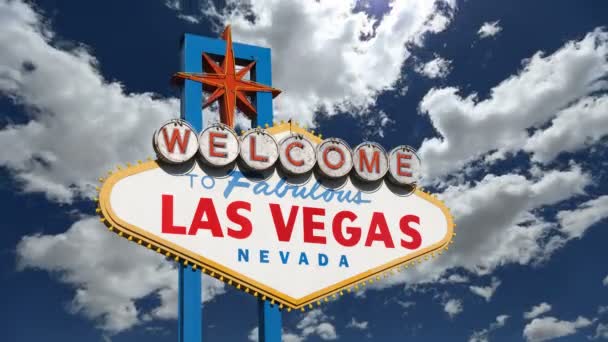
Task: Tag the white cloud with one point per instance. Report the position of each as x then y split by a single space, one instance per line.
501 320
315 323
312 324
81 125
343 67
289 337
575 222
574 128
605 282
313 317
537 310
108 284
454 279
486 291
495 219
176 5
406 304
325 331
374 124
363 325
489 29
499 222
548 88
548 328
253 335
435 68
601 331
453 307
483 335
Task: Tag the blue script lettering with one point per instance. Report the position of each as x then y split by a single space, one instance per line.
234 182
281 189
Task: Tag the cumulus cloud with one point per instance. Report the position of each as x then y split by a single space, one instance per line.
575 222
343 67
178 6
483 335
453 307
489 29
454 279
548 328
254 335
363 325
315 322
375 124
499 222
574 128
51 160
496 220
486 291
107 284
80 109
605 282
406 305
435 68
325 331
601 331
555 89
537 310
289 337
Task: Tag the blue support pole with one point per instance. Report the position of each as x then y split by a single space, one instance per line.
190 311
269 322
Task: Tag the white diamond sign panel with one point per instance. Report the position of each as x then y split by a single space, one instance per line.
293 240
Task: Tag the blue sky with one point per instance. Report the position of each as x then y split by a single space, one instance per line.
505 100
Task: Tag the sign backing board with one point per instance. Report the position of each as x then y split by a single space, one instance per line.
293 241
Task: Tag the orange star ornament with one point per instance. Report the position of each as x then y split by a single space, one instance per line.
226 85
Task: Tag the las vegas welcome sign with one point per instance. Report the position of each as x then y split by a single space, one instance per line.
278 212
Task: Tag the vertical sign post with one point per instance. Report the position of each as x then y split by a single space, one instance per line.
190 311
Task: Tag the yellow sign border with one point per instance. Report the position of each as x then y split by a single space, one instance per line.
233 277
